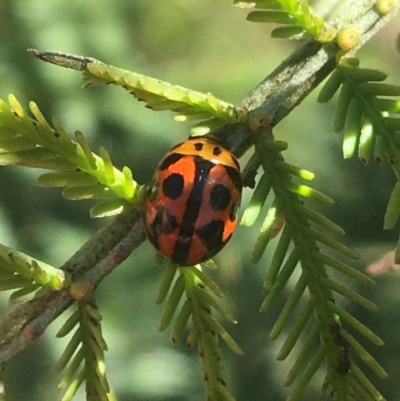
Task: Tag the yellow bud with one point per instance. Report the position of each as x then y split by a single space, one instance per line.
347 38
384 6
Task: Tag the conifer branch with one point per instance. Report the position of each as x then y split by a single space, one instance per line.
107 249
287 86
32 142
83 357
320 309
297 76
206 330
27 276
272 100
369 116
158 95
302 21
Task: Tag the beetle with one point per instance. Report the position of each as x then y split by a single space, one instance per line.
192 202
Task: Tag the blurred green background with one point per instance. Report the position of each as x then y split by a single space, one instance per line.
208 46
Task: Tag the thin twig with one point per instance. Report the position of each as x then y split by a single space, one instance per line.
297 76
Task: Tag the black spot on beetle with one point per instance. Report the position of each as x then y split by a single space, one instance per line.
169 224
211 236
169 160
217 151
220 197
198 146
173 186
163 223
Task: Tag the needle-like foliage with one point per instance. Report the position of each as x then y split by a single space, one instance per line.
156 94
313 319
26 276
83 358
300 19
306 241
32 142
195 286
367 112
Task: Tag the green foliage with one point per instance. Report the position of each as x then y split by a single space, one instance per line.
205 329
301 243
302 21
161 96
83 358
368 113
304 236
158 95
326 344
34 143
27 277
